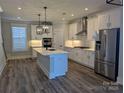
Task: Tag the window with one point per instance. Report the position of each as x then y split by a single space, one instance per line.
19 38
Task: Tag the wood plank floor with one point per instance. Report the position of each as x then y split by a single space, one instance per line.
25 76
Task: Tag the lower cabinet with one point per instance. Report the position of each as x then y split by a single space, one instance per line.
81 56
91 59
34 53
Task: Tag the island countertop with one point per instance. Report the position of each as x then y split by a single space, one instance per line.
45 52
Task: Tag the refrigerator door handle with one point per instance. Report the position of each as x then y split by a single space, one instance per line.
104 46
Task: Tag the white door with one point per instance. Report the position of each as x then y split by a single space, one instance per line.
58 39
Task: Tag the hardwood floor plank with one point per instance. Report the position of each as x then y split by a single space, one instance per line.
25 76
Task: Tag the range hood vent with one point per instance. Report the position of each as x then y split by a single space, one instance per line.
83 23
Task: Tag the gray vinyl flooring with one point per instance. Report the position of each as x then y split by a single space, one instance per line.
25 76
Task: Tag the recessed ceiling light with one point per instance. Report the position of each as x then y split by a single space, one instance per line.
72 14
86 9
63 18
18 17
19 8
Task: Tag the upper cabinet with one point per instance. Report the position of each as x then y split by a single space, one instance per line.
92 26
73 29
39 37
102 21
109 19
115 18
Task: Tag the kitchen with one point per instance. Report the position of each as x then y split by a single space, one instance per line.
70 54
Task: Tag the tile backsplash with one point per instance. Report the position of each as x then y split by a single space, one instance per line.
82 41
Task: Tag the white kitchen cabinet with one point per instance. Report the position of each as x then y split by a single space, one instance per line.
86 58
60 34
91 58
70 52
76 55
115 18
92 27
73 28
81 56
102 21
34 53
109 19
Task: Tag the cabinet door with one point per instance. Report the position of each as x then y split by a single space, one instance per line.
102 21
72 54
115 18
83 57
69 50
58 41
72 31
96 25
86 61
34 53
77 55
91 58
92 27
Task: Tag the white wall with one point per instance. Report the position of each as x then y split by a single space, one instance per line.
120 73
2 55
7 36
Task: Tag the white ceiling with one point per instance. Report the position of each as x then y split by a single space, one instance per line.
55 8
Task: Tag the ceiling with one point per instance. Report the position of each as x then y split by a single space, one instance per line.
30 9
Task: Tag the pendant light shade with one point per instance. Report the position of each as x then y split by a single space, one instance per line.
39 29
45 26
115 2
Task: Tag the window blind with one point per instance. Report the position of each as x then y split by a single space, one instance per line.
19 39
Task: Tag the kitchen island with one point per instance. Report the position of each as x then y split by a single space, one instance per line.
54 63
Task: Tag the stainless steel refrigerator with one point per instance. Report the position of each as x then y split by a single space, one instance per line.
107 53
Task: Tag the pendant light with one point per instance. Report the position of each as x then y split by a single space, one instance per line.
39 29
45 25
115 2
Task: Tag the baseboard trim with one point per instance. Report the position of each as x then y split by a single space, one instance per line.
19 57
3 66
120 81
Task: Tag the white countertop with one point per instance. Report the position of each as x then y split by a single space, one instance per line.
45 52
87 49
90 49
